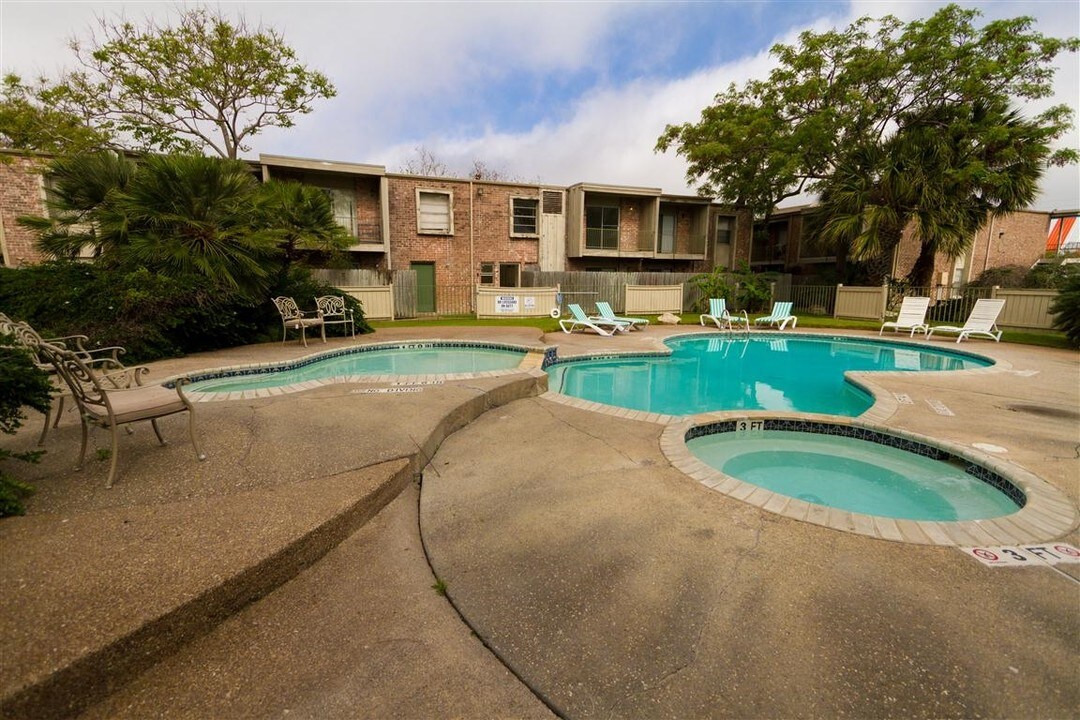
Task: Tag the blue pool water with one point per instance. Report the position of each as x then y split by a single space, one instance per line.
414 359
853 474
762 372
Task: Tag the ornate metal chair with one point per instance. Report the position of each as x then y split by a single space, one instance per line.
335 312
117 398
293 318
105 358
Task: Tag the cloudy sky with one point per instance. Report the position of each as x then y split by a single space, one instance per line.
554 92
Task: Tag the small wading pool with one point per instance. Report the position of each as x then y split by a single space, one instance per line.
426 358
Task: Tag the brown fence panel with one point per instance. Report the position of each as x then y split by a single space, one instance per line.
405 293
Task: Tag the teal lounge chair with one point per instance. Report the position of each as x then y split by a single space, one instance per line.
718 313
780 316
599 326
606 313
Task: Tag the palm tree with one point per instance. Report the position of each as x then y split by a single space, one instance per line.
190 214
945 171
175 215
77 186
299 217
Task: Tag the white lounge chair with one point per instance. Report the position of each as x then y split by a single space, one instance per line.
606 313
912 316
982 322
718 314
599 326
780 316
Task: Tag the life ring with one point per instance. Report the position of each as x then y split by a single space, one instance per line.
556 313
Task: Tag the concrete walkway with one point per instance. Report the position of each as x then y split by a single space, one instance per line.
286 573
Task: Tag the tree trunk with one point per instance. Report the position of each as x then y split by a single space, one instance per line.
880 267
922 274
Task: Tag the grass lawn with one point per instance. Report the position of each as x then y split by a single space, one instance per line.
1045 338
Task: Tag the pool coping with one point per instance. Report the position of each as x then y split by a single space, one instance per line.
1047 514
532 360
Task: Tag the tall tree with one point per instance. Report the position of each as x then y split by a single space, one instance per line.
832 115
29 120
205 83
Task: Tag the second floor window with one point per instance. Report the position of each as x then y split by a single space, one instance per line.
343 203
434 212
523 212
602 227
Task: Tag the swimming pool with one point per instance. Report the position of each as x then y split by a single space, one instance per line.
705 373
403 359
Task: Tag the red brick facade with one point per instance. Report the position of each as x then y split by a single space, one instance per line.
481 229
21 193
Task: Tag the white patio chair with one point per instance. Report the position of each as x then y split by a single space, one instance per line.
293 318
912 316
982 322
336 312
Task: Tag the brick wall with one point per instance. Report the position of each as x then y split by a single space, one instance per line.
490 226
1015 239
629 223
20 194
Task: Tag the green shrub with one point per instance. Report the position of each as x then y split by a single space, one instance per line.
743 289
1066 310
150 315
21 384
1006 276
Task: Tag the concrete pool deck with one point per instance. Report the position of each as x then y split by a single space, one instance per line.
287 572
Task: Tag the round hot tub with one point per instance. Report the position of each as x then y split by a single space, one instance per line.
856 477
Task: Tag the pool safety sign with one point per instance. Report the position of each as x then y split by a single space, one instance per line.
506 303
1025 555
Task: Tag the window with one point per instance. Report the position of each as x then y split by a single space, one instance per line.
523 213
723 230
434 214
487 273
343 204
509 274
602 227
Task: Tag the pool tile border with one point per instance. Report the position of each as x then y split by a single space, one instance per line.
1046 513
531 362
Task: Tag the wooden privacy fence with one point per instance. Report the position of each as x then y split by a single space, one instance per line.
377 301
654 299
515 302
1024 308
861 302
586 288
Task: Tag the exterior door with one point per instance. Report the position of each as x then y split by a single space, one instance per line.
425 286
667 233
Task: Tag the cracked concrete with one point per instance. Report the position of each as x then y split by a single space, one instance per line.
607 581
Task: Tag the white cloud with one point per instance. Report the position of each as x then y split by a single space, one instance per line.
404 70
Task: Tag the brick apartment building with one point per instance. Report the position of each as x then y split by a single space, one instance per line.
786 244
460 232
